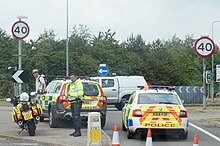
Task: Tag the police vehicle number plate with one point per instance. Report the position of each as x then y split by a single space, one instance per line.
161 114
27 115
87 102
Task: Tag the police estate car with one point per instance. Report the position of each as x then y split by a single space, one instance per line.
55 105
158 108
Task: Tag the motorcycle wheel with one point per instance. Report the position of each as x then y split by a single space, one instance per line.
31 128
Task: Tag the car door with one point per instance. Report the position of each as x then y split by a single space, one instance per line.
44 99
128 107
110 89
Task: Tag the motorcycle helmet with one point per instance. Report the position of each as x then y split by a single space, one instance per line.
24 97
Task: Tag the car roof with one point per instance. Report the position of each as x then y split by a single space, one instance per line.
68 81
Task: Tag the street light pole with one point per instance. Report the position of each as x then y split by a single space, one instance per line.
212 83
67 41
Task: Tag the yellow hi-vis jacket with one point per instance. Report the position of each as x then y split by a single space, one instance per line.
75 90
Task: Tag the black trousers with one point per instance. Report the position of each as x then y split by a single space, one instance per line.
76 110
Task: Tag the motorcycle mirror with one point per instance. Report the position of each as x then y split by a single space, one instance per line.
8 99
32 93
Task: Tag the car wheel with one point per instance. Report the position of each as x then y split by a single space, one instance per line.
129 134
41 119
123 127
103 121
183 135
53 122
118 106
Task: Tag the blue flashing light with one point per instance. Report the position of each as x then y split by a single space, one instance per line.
157 87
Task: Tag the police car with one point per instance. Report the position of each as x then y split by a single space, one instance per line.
55 105
158 108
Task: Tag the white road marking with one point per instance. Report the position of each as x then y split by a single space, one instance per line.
206 132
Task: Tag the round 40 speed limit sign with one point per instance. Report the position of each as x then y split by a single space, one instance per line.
204 47
20 30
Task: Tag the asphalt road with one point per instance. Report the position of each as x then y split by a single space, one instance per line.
114 116
14 142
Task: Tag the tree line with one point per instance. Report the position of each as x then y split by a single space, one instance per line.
164 62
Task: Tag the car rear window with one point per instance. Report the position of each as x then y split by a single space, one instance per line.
158 98
90 89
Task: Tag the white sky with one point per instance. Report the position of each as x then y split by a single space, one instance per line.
151 18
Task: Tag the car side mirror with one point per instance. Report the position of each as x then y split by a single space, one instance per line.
8 99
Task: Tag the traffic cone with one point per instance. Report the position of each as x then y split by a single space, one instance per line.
196 141
115 139
149 138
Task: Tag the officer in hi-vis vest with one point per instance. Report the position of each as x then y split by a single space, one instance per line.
75 93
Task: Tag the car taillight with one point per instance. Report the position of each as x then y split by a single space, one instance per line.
183 114
137 113
103 99
62 97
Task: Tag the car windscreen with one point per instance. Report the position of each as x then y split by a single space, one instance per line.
90 89
158 98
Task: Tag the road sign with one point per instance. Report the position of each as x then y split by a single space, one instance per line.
20 76
217 73
204 47
208 76
20 30
103 71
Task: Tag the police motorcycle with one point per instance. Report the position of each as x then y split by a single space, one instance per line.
25 112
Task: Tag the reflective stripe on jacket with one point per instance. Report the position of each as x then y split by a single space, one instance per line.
75 90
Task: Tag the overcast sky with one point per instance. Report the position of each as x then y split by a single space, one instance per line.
151 18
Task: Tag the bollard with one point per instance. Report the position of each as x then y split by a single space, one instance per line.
94 129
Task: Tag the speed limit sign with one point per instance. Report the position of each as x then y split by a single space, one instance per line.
204 47
20 30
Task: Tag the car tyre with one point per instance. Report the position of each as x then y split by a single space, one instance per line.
183 135
123 127
129 134
103 121
53 122
41 119
118 106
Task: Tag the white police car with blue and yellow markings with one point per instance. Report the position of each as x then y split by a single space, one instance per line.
55 105
158 108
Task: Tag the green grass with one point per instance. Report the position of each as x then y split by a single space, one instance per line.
199 109
213 121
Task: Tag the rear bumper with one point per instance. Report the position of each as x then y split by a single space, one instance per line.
180 129
62 113
161 131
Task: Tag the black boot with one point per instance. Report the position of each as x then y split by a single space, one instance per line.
77 134
72 134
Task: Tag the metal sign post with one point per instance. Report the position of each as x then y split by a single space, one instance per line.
204 84
20 30
204 47
218 76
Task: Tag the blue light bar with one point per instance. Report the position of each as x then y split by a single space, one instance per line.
162 87
157 87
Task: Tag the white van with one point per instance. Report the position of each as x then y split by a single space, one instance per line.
119 88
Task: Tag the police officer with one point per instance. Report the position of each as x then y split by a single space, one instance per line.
75 93
40 83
